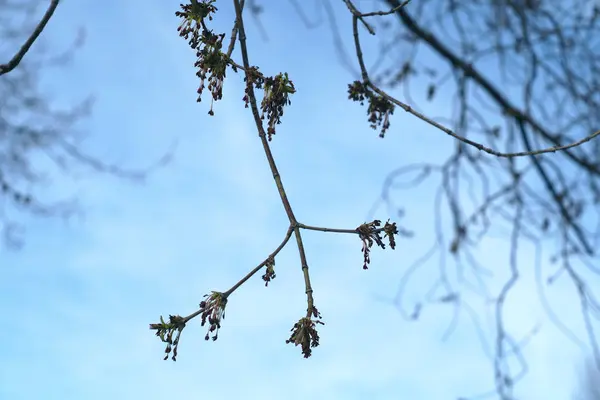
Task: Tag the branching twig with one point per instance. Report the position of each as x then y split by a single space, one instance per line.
212 64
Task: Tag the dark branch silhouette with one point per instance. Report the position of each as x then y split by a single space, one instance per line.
9 66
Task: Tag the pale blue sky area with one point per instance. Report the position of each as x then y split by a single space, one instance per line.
76 301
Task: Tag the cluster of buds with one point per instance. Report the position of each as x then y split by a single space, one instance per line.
165 332
211 61
370 233
379 109
276 96
304 332
253 78
213 310
277 91
269 274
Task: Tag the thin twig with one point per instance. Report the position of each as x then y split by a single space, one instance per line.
335 230
12 64
271 257
269 155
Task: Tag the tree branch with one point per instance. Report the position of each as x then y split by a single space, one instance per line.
14 62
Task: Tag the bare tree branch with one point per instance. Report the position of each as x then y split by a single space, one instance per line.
14 62
212 63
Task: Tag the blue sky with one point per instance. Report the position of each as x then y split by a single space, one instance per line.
78 298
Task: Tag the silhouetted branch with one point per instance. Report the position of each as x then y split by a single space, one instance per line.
12 64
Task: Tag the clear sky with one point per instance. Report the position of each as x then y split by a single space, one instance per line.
76 301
